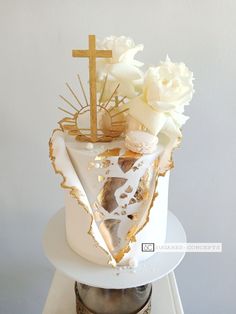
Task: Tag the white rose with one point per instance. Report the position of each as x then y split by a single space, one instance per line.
166 90
168 86
121 69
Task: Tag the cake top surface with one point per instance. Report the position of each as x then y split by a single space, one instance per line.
92 149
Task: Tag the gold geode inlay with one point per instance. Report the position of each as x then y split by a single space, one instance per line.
109 229
106 197
131 235
114 152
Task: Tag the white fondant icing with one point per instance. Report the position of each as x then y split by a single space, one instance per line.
83 234
85 240
77 224
154 231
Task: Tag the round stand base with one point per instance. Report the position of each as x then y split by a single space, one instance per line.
66 260
92 300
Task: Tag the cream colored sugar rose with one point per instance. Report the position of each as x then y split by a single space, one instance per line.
159 108
121 69
168 86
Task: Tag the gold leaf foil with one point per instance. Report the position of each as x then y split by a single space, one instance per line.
131 154
118 257
126 163
105 163
131 233
129 189
127 160
142 193
106 196
101 178
108 153
135 229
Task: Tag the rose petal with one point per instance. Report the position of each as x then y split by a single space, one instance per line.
179 118
123 71
144 113
128 56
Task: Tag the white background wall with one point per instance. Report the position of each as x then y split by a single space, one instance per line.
36 39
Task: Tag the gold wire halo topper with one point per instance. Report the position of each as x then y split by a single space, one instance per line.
71 124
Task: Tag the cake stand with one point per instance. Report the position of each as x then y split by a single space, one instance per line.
69 263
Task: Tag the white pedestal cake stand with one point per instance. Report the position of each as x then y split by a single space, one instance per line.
78 269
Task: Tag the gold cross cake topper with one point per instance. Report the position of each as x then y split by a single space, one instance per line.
71 125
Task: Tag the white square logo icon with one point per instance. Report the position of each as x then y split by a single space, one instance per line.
148 247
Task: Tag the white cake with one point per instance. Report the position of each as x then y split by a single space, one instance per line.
80 163
116 188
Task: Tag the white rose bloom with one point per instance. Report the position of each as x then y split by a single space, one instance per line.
168 86
121 69
166 90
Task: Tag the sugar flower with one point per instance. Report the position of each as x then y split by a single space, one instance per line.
121 69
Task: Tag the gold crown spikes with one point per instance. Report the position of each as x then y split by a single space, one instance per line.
112 118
